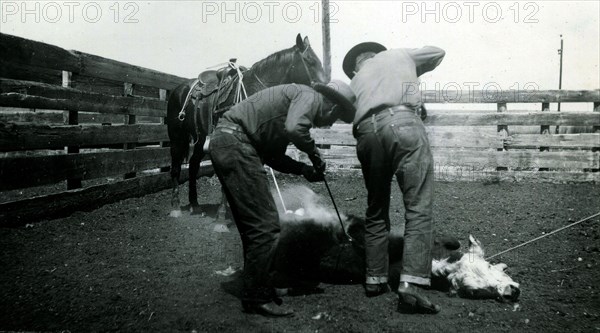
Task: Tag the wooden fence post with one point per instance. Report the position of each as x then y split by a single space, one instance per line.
73 119
503 133
326 39
545 130
129 120
162 95
596 130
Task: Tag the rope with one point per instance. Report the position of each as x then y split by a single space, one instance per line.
260 81
181 115
278 191
546 235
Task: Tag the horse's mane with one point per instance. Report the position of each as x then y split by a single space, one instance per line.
277 58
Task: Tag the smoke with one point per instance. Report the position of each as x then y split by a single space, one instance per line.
302 203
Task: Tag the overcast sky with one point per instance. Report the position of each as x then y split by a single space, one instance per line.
508 43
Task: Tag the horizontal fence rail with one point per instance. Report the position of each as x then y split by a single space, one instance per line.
19 53
16 137
28 94
98 126
18 172
521 119
496 95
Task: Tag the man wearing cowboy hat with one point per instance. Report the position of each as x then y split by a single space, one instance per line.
257 131
391 140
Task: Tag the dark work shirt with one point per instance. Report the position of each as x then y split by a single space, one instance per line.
276 116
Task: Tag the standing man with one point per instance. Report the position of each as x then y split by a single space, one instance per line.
257 131
391 140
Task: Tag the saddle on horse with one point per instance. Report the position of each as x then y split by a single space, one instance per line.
210 93
219 82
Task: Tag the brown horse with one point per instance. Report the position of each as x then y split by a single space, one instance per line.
298 64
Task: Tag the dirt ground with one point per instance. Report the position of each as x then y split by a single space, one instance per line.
130 267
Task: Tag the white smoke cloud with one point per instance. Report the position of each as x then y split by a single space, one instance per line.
302 203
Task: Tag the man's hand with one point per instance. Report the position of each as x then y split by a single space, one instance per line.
317 161
423 112
311 174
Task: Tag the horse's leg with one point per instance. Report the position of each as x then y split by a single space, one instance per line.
180 139
179 149
195 160
222 210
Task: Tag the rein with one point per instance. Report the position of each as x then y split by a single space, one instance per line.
181 115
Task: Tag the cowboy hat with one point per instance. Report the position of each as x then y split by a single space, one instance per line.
341 94
350 58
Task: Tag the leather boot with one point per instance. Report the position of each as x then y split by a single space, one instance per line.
373 290
411 301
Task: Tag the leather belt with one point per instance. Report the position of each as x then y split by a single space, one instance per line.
391 109
233 129
229 128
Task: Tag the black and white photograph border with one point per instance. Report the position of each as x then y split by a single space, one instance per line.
113 218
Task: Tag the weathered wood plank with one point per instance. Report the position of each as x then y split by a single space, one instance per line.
107 118
471 138
522 159
34 102
517 176
111 87
51 117
96 66
17 213
557 177
25 137
438 137
16 71
587 140
97 85
19 172
29 52
507 118
482 160
32 53
28 94
509 96
333 136
37 117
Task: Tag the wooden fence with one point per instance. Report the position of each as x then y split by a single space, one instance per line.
480 145
78 131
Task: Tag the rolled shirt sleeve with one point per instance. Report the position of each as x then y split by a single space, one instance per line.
427 58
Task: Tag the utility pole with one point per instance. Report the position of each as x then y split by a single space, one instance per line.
560 52
326 40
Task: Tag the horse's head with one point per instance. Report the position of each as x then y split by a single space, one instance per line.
306 67
297 64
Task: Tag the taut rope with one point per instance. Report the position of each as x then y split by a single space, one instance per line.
546 235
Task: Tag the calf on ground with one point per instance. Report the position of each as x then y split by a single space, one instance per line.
313 250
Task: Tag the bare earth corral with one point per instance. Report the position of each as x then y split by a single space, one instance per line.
129 267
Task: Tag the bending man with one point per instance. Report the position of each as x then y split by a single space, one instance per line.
391 140
257 131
